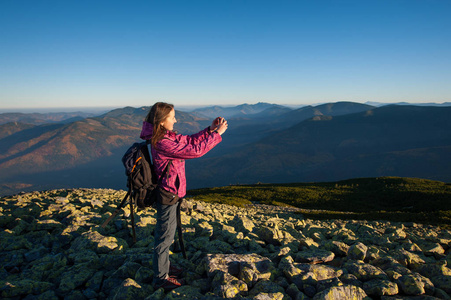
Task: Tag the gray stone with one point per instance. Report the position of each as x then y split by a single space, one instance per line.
227 286
243 224
269 296
357 251
342 292
379 287
262 267
130 289
75 277
36 253
415 284
266 286
127 270
337 247
365 272
314 256
11 289
184 292
100 244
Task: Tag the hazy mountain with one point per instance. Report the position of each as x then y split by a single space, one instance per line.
12 127
240 111
327 142
407 103
392 140
42 118
328 109
244 131
83 153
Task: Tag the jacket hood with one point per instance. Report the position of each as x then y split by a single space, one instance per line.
147 131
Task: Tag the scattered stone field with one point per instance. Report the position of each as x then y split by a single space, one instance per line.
53 247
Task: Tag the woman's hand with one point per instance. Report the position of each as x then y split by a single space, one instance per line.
222 126
219 125
215 124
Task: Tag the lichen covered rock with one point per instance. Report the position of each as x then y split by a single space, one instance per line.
52 247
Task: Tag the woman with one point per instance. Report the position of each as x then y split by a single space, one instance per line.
169 147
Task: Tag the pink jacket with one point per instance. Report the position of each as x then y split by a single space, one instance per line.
177 147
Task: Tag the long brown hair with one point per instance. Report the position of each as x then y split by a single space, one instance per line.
157 114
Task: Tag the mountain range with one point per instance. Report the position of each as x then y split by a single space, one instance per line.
265 143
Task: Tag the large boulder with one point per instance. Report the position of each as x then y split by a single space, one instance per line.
342 292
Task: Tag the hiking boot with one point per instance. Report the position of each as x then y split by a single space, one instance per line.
168 284
174 271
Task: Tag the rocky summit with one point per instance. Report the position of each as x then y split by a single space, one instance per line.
53 247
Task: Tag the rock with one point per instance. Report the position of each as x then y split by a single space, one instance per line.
431 249
259 266
111 262
48 295
203 284
74 295
130 289
380 287
342 292
320 272
157 295
227 286
308 243
90 293
337 247
364 272
9 242
351 280
48 225
10 289
76 276
204 229
144 275
184 292
269 296
271 235
215 246
36 254
243 224
127 270
55 249
357 251
95 282
266 286
415 284
314 256
100 244
295 293
408 259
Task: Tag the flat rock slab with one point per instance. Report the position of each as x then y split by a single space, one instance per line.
234 263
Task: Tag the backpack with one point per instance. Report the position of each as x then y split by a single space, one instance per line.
142 181
143 185
141 177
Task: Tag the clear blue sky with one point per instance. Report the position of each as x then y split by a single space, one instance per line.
119 53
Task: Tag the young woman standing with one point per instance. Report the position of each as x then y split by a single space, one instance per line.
171 148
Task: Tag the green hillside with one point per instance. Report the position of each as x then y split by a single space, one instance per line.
382 198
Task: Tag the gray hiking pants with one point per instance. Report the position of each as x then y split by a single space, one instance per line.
164 236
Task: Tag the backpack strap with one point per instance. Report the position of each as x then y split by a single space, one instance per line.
168 166
118 209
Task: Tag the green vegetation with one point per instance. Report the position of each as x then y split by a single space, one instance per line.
383 198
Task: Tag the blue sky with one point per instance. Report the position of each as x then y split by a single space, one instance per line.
119 53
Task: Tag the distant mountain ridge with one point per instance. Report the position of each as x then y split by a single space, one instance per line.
243 110
269 143
408 141
42 118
